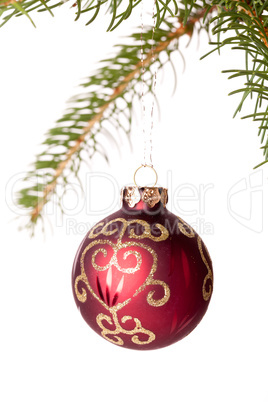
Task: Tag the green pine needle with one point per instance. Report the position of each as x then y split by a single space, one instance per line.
242 25
118 9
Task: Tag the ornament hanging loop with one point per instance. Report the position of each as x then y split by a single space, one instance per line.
145 166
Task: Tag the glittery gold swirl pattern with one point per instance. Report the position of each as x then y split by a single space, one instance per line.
110 229
161 302
183 226
206 294
138 329
116 247
146 232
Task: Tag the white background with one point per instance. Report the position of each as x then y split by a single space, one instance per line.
48 353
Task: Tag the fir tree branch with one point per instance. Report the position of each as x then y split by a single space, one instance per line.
243 23
249 10
81 123
120 10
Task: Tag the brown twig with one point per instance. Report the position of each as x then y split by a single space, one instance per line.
49 189
6 3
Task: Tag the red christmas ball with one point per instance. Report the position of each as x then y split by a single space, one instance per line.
142 277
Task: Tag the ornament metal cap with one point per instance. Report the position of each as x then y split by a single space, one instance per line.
151 196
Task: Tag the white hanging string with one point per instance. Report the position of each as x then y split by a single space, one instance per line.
142 87
148 138
153 88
